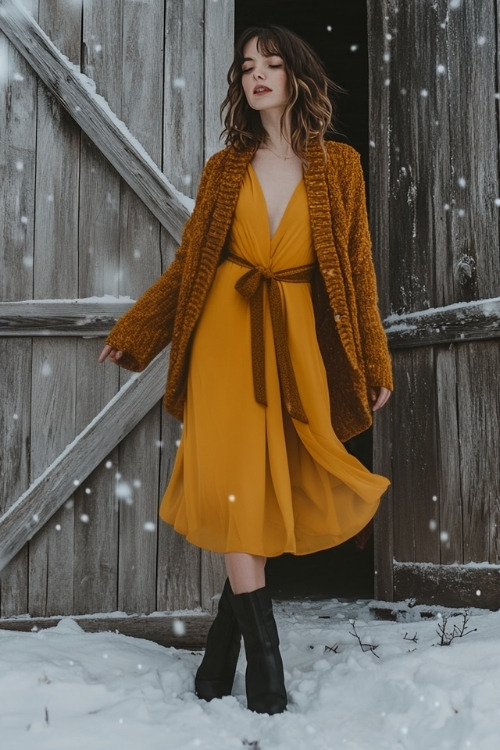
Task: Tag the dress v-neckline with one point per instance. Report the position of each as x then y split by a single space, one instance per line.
278 225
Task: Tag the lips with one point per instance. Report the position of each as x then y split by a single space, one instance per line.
261 90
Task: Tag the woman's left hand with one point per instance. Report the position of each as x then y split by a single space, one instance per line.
379 397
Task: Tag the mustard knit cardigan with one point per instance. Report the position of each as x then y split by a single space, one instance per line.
348 326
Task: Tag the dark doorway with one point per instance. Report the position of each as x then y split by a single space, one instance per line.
338 33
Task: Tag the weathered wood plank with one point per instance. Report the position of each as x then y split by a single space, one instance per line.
179 563
472 321
61 318
448 585
140 263
75 92
55 275
383 526
448 495
186 630
15 428
478 395
472 32
17 199
415 457
52 488
462 322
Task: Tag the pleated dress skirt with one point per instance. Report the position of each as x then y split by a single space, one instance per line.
248 477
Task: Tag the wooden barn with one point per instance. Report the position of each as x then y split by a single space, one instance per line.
108 111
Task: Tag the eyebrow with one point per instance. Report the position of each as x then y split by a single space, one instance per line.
251 59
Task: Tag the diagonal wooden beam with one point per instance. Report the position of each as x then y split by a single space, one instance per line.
50 491
76 93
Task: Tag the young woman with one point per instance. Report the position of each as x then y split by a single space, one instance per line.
278 353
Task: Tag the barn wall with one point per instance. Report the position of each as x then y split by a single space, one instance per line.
72 228
435 221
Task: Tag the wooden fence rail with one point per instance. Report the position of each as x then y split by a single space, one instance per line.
468 321
50 491
76 93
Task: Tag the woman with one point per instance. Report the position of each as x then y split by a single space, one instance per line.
278 352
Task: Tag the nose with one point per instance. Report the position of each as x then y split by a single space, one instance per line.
258 73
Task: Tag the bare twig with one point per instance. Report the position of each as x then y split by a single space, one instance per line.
334 649
363 646
413 638
459 631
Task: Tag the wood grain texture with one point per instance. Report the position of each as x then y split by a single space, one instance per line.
94 118
448 585
55 275
37 505
18 105
140 266
434 186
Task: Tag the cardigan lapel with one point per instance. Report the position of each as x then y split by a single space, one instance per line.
327 215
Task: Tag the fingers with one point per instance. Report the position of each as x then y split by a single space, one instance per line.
379 397
109 353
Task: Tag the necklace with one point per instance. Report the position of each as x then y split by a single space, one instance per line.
283 158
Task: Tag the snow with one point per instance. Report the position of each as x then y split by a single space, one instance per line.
394 687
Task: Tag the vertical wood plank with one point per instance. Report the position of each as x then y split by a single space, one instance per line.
96 541
416 475
15 424
140 265
449 493
55 275
17 198
377 28
179 567
479 417
473 51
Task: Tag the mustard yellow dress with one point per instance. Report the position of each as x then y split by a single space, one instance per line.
247 477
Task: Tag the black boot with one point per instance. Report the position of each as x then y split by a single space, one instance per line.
265 682
215 675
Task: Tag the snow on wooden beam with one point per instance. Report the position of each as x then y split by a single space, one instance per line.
186 630
471 585
79 317
76 93
51 489
467 321
464 321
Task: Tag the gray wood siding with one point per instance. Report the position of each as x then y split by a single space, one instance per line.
435 221
73 228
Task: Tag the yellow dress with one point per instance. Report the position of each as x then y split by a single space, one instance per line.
249 478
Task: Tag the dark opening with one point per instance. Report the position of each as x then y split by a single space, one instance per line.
338 33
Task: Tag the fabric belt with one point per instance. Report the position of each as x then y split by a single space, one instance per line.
251 287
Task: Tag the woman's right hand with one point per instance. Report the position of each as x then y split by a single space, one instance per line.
109 353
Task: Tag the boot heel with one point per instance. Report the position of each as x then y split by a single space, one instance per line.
215 675
265 681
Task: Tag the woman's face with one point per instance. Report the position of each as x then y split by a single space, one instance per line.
264 79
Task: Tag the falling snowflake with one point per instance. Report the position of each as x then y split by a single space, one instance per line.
179 627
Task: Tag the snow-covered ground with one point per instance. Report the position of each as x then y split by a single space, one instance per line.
393 686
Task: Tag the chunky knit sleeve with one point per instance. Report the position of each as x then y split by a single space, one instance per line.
376 356
147 327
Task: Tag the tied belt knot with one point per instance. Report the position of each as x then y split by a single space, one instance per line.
251 287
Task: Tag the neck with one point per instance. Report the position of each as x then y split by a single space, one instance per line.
277 138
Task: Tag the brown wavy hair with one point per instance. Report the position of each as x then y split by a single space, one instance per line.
310 104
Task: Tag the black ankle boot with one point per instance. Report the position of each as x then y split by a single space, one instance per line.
215 675
265 682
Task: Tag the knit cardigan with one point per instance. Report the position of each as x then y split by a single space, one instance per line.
348 326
